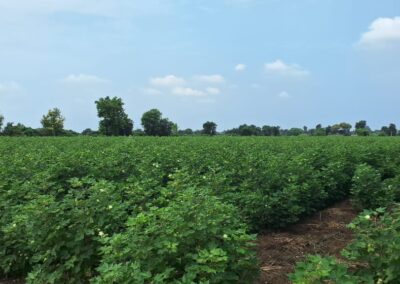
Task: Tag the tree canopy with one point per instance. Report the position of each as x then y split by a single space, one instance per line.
1 121
53 121
155 125
114 121
210 128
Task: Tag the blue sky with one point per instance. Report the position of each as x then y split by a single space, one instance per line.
275 62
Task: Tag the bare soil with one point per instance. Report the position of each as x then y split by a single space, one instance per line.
324 233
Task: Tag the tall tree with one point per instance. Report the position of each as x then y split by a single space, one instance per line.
154 125
1 121
361 124
53 121
362 129
392 129
114 121
210 128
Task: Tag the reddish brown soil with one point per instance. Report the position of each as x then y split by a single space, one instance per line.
324 233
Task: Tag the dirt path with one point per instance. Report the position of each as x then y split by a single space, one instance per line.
324 233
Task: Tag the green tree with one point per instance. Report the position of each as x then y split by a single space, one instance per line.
342 128
154 125
114 121
392 129
53 121
210 128
361 124
1 121
362 129
295 131
187 131
384 131
19 130
249 130
270 130
363 132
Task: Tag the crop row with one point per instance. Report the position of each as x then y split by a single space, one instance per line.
166 210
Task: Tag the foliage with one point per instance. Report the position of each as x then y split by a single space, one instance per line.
316 269
64 201
367 190
342 128
270 130
295 131
195 239
375 254
53 121
360 124
390 130
155 125
115 122
210 128
1 122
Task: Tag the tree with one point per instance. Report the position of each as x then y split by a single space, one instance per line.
115 122
362 129
392 129
270 130
210 128
19 130
360 124
249 130
342 128
89 132
53 121
154 125
295 131
187 131
389 131
1 121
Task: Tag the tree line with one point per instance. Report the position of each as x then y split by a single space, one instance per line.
114 121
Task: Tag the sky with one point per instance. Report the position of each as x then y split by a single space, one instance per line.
291 63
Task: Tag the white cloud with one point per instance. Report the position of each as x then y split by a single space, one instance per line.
84 79
284 95
167 81
177 86
9 88
281 68
383 32
187 92
210 79
240 67
213 91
